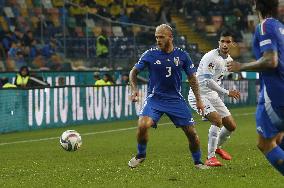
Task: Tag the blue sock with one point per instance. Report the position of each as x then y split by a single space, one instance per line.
141 150
197 157
276 158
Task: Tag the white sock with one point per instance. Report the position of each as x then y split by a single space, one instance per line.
213 136
224 135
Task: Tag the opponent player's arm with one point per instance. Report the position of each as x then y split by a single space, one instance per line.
269 60
210 83
133 83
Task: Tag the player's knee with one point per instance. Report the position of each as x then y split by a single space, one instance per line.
145 123
217 121
232 127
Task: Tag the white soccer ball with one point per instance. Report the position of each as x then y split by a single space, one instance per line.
70 140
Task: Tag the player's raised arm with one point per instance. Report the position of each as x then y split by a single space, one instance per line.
269 60
133 84
193 82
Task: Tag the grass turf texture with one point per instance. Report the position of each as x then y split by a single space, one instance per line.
102 160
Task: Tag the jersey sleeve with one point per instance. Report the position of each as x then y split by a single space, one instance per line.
188 65
208 66
143 61
267 36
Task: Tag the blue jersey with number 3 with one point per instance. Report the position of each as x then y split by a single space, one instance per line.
165 71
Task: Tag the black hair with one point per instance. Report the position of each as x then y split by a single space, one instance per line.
267 7
24 67
226 33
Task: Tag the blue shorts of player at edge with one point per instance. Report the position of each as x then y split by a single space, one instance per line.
269 120
176 109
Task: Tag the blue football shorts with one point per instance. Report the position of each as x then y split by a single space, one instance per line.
176 109
269 120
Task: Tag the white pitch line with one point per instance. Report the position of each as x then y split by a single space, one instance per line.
93 133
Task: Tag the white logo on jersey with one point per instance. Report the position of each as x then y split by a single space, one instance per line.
259 129
281 30
168 60
158 62
191 66
176 61
211 66
265 42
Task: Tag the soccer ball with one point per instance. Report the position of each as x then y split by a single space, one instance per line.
70 140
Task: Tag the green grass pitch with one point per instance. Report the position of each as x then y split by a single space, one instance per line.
35 159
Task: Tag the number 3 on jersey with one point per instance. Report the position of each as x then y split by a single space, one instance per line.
169 69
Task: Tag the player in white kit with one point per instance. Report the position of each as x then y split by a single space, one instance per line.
210 72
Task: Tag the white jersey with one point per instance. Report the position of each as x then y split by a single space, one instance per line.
212 66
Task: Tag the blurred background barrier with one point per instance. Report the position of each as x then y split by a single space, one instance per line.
30 109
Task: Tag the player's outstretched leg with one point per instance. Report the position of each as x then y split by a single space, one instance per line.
273 153
194 146
213 137
225 133
144 123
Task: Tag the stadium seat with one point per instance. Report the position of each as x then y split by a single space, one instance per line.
34 21
115 10
47 4
104 3
211 30
97 30
71 22
117 31
136 30
58 3
8 12
24 12
90 23
29 3
37 11
22 3
37 3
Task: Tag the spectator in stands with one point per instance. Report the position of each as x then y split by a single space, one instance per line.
7 41
102 45
123 79
33 50
5 83
49 49
96 76
164 15
28 38
107 80
22 77
55 63
16 55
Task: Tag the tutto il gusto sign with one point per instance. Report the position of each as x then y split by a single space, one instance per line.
81 105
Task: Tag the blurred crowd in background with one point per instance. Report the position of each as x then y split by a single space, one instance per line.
60 35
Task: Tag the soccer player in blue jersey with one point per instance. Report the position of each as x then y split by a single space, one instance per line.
268 47
165 64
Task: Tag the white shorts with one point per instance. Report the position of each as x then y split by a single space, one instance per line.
212 103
